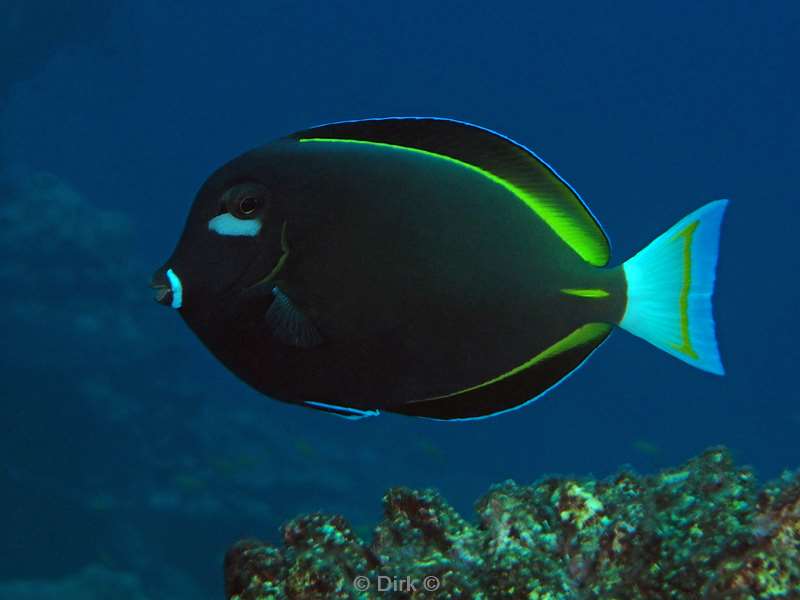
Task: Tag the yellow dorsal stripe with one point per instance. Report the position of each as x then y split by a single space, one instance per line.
686 342
583 242
586 293
581 335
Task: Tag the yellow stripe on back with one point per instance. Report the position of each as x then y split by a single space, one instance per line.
586 243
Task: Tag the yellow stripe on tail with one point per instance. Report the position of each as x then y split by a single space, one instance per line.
686 342
670 285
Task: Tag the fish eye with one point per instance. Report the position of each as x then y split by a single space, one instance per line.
245 200
248 205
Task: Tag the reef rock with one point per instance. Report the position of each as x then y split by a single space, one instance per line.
67 278
703 530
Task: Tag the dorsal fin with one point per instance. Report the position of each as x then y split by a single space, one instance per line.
510 164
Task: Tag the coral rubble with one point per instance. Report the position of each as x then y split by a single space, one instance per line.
703 530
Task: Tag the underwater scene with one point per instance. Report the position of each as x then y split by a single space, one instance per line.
361 300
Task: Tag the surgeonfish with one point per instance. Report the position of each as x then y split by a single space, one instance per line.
422 266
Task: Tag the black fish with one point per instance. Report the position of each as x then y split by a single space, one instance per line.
422 266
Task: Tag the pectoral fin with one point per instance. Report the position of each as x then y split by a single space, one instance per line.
289 324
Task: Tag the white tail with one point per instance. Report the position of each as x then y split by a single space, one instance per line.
670 284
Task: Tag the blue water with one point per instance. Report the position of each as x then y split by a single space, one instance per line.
139 452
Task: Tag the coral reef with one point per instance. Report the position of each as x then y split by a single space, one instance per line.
703 530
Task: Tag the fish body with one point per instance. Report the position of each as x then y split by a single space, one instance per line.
420 266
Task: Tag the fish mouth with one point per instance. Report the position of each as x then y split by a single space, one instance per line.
167 288
162 293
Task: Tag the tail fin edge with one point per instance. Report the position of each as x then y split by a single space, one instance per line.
670 289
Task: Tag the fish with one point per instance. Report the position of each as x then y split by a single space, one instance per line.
422 266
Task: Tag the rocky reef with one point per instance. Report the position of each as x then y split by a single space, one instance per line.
703 530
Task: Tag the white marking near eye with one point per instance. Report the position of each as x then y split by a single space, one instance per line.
227 224
176 287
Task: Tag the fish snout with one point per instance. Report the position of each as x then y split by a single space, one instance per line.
167 288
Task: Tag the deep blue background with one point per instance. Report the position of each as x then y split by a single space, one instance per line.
649 112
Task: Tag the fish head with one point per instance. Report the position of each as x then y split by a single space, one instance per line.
231 241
